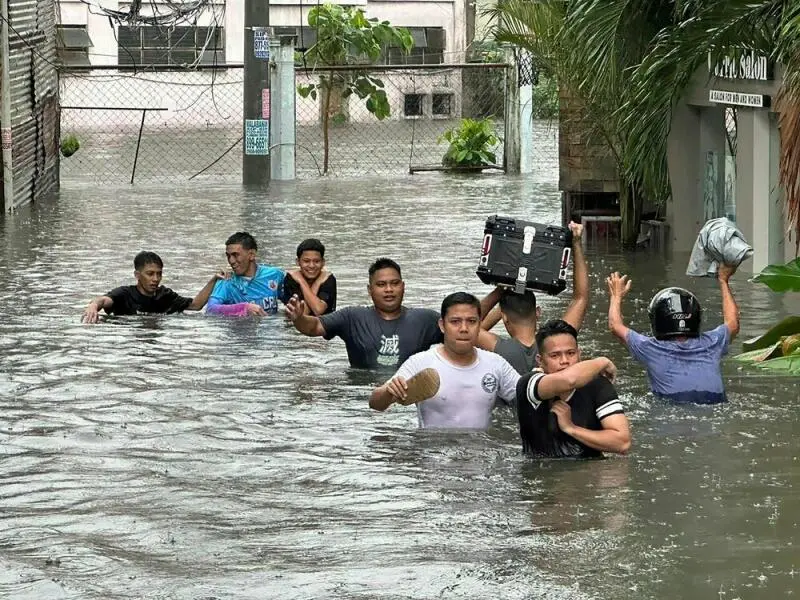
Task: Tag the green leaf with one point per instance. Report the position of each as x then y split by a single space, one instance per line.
305 90
781 278
789 326
785 364
760 355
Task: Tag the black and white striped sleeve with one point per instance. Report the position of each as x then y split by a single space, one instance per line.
528 389
606 401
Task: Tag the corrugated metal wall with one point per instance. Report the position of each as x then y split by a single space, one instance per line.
34 98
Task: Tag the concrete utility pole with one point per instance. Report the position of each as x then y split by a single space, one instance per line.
256 97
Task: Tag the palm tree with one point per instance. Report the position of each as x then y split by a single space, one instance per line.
629 62
591 47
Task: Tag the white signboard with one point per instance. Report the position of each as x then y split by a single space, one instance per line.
738 98
256 137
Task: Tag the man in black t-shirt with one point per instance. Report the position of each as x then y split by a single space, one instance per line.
384 334
569 407
315 286
148 295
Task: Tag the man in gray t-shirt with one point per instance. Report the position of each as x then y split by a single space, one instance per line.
520 315
386 333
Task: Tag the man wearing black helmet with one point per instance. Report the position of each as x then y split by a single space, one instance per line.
683 365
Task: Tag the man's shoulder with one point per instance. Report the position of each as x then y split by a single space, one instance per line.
491 358
421 314
123 290
269 272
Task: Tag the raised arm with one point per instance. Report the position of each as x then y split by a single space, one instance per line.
90 313
305 324
730 311
202 296
618 287
489 314
576 311
578 375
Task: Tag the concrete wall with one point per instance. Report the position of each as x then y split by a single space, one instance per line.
697 130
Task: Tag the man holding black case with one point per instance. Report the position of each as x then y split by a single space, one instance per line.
519 313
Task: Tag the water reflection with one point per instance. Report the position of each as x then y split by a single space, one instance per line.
196 457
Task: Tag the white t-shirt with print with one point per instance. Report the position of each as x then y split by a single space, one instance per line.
466 395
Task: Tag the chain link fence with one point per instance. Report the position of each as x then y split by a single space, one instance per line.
173 125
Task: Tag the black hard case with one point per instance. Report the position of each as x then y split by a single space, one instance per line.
523 255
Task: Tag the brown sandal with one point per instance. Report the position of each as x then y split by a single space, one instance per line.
421 386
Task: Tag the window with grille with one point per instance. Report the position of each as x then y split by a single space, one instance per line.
442 105
178 46
412 105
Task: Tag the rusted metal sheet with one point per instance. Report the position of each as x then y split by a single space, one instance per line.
33 90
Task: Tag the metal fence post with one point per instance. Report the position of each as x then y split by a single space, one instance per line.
284 114
511 142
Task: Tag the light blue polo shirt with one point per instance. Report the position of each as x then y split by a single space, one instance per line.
684 371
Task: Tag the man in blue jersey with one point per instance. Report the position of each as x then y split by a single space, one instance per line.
253 289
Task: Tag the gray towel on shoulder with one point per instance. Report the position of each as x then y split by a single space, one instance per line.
719 241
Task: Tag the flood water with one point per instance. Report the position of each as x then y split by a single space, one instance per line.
190 457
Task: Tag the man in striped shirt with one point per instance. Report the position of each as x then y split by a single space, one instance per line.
568 407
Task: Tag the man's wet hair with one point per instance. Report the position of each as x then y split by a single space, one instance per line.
144 258
554 327
518 306
384 263
311 244
244 239
460 298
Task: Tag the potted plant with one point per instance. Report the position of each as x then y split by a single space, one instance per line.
471 145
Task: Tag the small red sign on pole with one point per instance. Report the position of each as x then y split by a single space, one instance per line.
265 104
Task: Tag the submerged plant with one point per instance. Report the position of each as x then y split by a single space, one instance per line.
472 144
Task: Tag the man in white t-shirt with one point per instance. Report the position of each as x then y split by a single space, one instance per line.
471 379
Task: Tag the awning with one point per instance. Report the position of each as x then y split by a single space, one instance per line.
419 37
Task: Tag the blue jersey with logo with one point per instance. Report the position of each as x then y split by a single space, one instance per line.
262 289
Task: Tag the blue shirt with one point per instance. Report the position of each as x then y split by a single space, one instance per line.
684 371
262 289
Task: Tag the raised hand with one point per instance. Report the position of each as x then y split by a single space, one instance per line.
618 285
397 388
576 229
295 308
725 272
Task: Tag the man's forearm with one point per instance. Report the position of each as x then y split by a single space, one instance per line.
730 311
200 300
487 304
615 321
314 304
605 440
102 302
576 311
308 325
576 376
228 310
380 399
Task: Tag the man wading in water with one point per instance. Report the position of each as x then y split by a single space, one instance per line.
386 333
520 314
470 379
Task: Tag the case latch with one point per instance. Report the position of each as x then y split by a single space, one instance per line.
522 280
529 233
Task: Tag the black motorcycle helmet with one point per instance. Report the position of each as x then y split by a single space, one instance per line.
674 312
